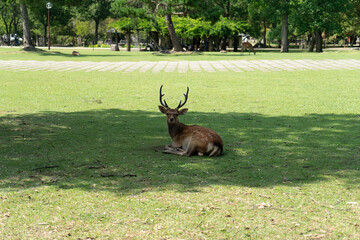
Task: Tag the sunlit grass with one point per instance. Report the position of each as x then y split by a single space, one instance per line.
81 157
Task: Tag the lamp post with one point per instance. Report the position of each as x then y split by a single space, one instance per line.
49 6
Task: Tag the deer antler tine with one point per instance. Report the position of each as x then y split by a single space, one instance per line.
186 97
164 104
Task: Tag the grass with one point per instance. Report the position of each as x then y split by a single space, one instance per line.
97 55
80 154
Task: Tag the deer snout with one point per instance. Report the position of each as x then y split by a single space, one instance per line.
171 119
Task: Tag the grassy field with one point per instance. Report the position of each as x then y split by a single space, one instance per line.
81 158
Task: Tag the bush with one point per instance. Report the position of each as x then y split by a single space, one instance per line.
95 46
105 46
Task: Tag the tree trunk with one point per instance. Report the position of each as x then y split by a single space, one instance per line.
264 33
284 34
7 31
217 42
96 32
223 43
227 9
211 45
236 43
174 39
318 41
138 38
45 34
117 41
128 41
154 39
26 25
15 17
311 42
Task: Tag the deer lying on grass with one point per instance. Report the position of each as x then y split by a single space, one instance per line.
75 53
189 139
248 46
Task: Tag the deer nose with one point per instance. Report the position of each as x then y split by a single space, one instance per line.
171 119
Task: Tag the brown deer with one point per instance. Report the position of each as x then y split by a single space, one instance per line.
188 139
248 46
75 53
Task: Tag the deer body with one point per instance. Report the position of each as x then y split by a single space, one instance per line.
75 53
247 46
189 139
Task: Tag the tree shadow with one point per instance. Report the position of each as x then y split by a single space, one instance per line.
120 151
84 53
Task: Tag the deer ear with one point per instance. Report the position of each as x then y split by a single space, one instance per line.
162 109
183 111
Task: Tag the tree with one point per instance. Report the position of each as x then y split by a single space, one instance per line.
317 16
9 12
84 29
28 44
350 21
164 8
261 14
284 12
59 15
225 28
127 26
169 9
96 10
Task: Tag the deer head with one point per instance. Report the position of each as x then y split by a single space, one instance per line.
172 113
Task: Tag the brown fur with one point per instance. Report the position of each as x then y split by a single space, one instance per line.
190 139
247 46
75 53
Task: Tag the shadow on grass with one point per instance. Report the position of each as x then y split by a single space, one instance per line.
68 53
120 151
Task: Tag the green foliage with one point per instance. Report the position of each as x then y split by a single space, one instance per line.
350 19
96 10
125 24
187 27
228 28
317 15
84 29
9 17
99 46
2 27
126 8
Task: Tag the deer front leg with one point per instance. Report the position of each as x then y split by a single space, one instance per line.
169 147
172 145
177 151
173 148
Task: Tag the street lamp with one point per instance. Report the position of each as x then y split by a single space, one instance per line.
49 6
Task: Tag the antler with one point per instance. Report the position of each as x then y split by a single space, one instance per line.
186 97
164 104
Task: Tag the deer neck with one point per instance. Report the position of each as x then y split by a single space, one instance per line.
175 129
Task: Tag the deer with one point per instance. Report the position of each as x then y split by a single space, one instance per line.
248 46
75 53
188 140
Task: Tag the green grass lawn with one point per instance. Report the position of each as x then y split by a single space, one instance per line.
81 158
